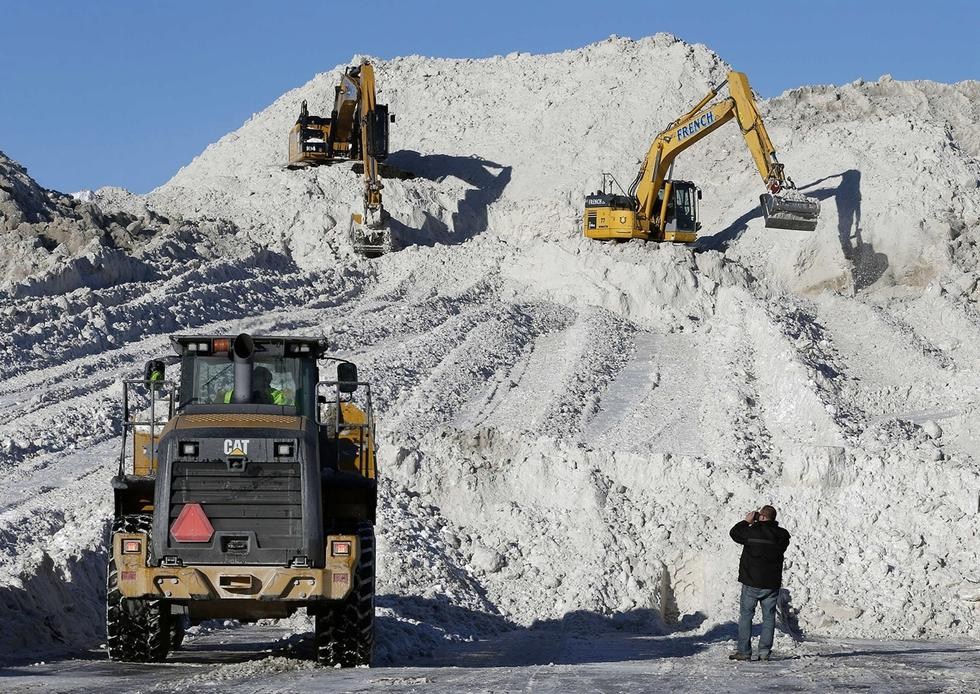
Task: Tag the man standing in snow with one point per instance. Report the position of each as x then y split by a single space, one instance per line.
760 571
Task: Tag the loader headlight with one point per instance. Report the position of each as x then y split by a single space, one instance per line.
188 449
285 449
340 548
132 546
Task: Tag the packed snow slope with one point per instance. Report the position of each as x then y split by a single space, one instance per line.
569 428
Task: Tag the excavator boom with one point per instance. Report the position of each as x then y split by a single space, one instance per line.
357 130
663 209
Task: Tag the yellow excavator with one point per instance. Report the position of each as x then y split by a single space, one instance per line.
356 129
642 212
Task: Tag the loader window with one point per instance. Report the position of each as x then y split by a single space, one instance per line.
211 380
205 378
282 385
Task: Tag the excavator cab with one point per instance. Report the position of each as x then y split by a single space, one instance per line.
682 211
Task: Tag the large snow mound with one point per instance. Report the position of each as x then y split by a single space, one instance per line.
568 427
510 146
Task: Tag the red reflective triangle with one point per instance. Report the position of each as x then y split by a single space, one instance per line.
192 525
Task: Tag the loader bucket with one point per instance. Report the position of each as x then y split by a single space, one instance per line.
791 210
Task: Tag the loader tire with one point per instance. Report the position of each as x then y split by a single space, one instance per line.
178 628
158 631
122 622
137 630
344 633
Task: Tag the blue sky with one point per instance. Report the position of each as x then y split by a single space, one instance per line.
125 93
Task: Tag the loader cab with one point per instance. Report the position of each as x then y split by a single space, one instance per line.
283 374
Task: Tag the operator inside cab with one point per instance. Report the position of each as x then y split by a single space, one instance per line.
263 392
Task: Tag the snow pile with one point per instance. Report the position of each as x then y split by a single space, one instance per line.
510 146
66 240
52 571
568 428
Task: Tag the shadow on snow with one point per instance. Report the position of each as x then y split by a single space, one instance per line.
488 180
867 264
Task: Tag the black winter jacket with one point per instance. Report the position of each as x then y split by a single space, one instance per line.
761 565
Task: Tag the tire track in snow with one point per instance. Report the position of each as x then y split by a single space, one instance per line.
62 328
597 347
654 403
888 367
489 347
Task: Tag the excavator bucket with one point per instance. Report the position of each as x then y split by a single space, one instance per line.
370 240
790 210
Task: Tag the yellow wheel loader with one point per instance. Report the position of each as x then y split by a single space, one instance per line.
246 489
658 208
357 130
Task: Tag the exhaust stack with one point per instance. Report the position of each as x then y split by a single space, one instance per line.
243 351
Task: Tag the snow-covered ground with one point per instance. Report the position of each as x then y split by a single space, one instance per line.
595 659
568 428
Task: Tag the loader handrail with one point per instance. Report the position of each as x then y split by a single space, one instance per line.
130 423
360 433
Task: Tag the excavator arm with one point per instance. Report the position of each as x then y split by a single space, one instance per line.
755 134
652 191
356 130
372 145
370 233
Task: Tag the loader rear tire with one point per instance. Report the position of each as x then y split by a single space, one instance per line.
158 631
178 628
123 623
344 633
137 630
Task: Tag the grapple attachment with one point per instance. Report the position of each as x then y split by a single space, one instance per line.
371 239
790 209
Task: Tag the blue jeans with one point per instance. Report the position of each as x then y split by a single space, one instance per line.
750 596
